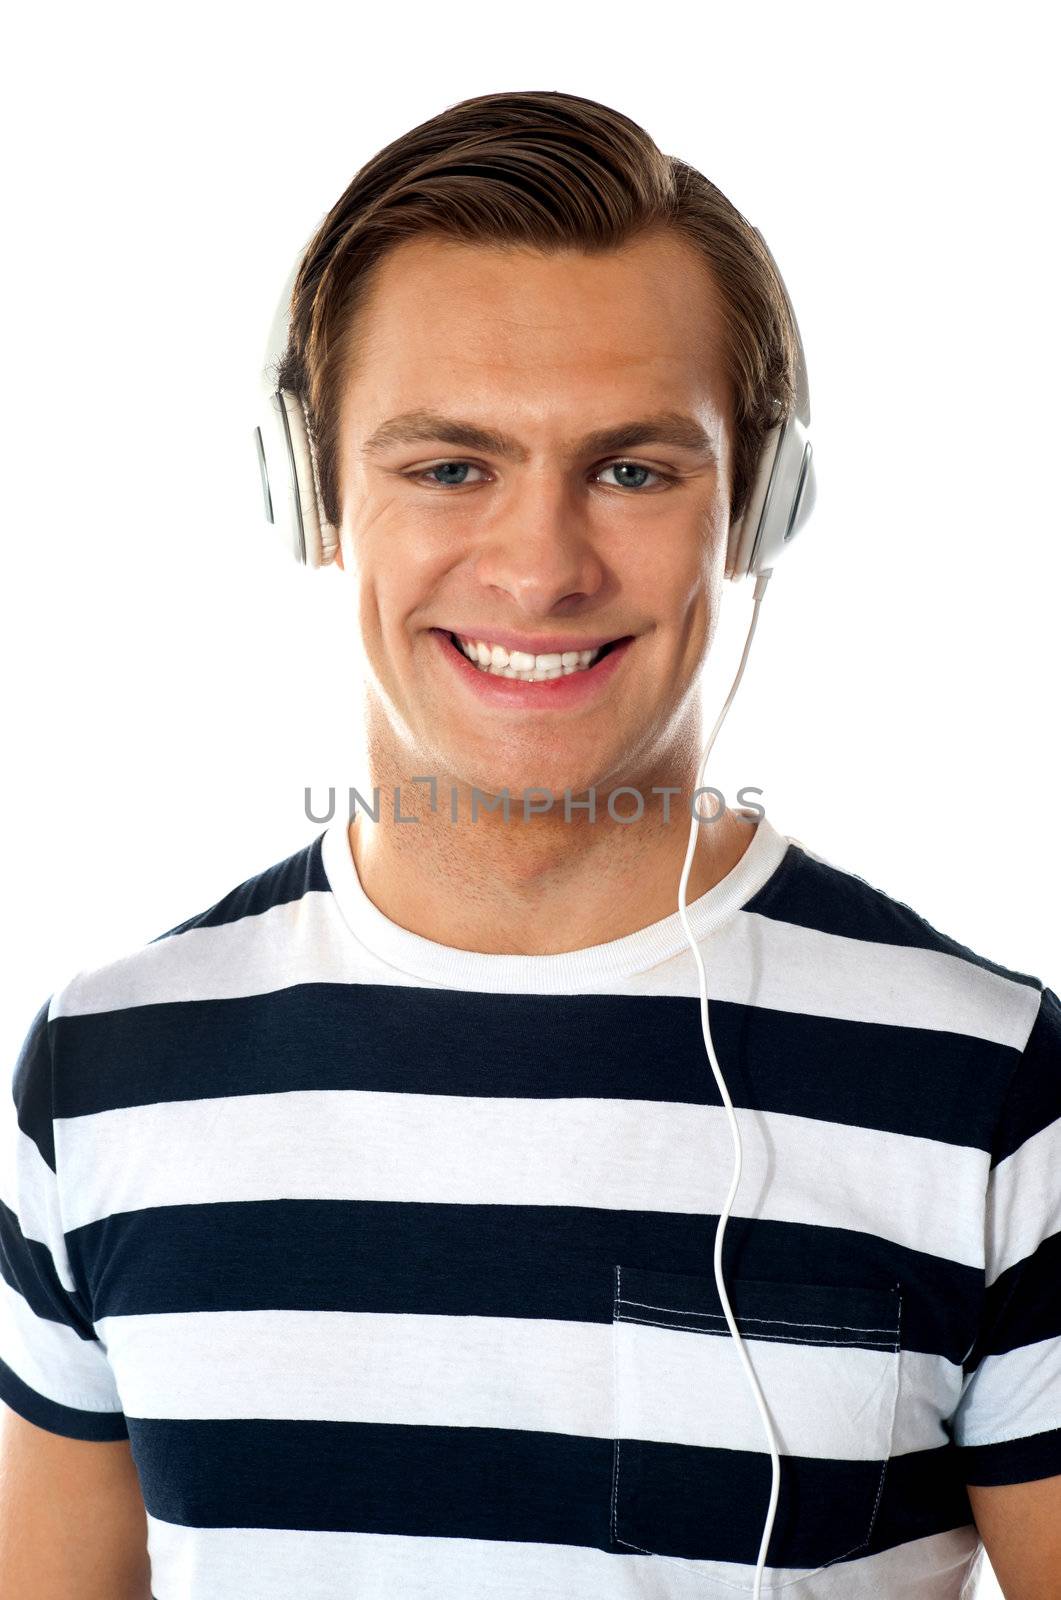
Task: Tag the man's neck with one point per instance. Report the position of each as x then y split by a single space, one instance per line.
539 886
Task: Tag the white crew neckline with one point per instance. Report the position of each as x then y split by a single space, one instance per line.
635 952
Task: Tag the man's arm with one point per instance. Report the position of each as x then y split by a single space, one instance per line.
72 1519
1020 1524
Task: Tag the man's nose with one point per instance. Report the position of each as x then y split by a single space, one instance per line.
542 546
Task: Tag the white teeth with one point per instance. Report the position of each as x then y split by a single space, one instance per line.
502 663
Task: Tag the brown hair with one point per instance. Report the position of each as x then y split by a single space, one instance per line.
552 171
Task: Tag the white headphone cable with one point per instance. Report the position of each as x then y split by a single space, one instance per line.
760 589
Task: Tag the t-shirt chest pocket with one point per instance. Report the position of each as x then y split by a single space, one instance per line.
691 1470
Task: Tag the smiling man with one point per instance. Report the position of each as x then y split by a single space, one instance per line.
604 544
357 1230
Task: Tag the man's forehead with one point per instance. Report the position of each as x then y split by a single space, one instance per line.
658 281
428 348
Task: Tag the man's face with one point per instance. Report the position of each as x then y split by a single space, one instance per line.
556 537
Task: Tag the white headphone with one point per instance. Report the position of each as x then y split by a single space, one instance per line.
780 499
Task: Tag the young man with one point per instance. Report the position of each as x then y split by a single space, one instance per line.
357 1233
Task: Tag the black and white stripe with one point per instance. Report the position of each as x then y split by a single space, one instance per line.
394 1262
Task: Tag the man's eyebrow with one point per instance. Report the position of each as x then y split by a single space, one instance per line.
665 427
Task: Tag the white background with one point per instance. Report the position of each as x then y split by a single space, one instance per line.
173 682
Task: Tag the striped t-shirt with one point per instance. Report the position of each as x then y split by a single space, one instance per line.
393 1261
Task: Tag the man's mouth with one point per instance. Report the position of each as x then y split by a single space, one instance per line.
498 662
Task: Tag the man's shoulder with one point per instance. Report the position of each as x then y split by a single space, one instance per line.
188 958
280 883
866 925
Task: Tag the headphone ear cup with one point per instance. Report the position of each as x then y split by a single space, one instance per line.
314 540
743 534
780 501
290 486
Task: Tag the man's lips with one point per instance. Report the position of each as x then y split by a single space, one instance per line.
517 693
537 644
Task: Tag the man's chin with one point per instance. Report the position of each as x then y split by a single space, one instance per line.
530 786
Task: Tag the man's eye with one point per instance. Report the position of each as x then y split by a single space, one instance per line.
447 469
636 467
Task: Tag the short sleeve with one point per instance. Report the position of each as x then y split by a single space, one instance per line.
1007 1424
53 1368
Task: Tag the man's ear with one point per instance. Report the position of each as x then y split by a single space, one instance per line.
339 557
